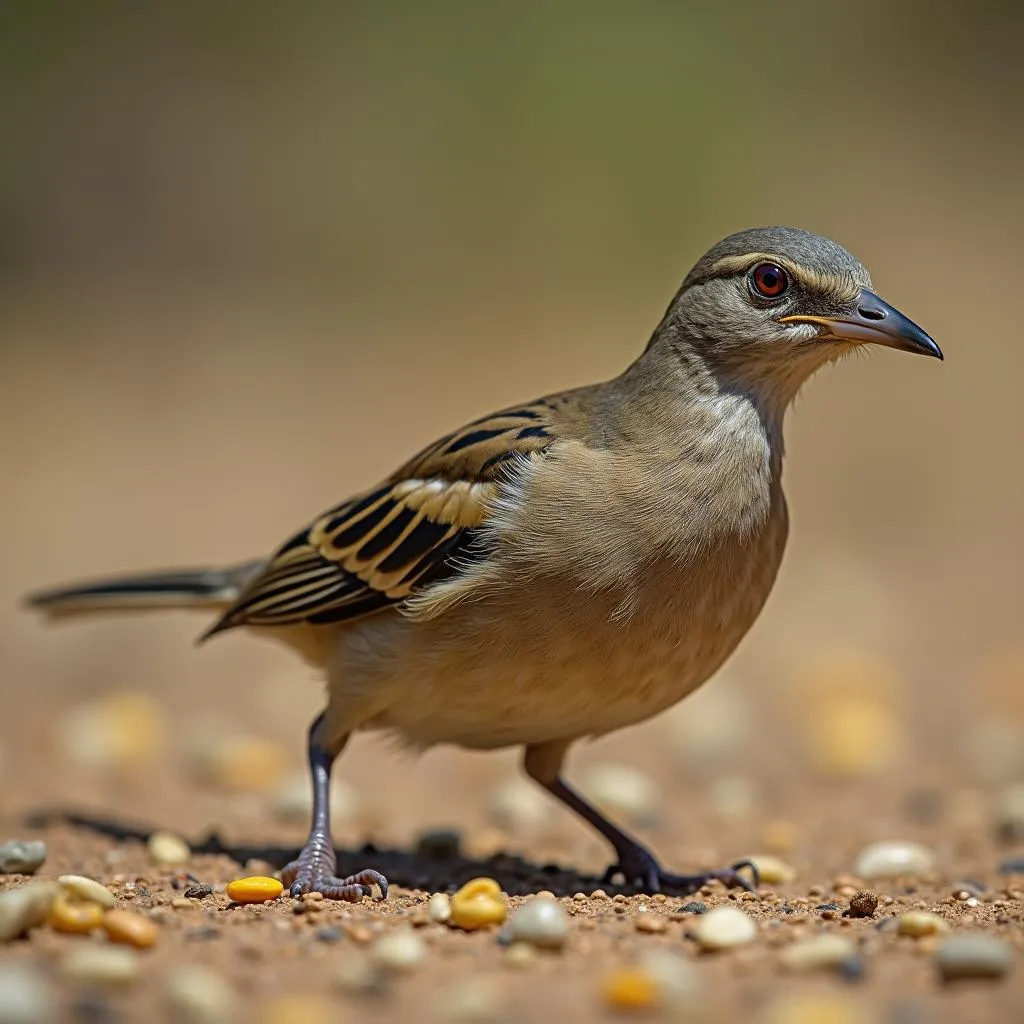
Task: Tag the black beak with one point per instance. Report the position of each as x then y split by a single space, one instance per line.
873 321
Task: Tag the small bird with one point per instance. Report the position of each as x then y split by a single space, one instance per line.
561 568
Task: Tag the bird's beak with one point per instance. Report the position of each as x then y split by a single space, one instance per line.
873 321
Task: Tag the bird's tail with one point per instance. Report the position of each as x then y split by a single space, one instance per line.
204 589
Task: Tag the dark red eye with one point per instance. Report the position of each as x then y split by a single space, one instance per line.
769 280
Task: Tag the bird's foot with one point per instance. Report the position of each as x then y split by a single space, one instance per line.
639 868
313 871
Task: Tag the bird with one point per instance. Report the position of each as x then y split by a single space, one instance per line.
564 567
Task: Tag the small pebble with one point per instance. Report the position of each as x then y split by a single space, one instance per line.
26 995
101 965
22 857
25 907
199 995
650 924
623 792
894 859
130 929
725 927
693 908
255 889
919 923
863 903
541 922
478 904
439 844
398 951
74 918
88 890
772 870
519 807
439 908
168 850
199 892
822 952
328 935
973 956
521 954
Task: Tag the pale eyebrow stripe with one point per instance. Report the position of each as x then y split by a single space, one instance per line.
842 287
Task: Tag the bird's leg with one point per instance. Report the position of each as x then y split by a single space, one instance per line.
313 870
543 763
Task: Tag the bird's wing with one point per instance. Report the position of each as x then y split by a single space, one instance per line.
383 546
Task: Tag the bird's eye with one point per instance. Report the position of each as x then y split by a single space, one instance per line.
769 280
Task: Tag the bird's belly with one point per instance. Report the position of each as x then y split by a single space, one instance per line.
542 662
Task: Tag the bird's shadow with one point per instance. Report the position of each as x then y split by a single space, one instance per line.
436 864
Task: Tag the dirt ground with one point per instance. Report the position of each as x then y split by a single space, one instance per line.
114 796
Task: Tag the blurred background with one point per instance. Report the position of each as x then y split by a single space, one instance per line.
253 256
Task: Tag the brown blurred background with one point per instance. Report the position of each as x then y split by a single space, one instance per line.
254 255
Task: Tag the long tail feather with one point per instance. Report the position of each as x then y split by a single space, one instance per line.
207 588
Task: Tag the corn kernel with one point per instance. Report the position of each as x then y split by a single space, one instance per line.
256 889
630 990
478 904
74 918
129 929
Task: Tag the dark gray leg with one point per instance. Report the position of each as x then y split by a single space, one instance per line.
543 763
313 870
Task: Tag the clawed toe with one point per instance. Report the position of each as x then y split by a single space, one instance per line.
300 877
642 870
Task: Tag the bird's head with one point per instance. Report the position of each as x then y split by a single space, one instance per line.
770 305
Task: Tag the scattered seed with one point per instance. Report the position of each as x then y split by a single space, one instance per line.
822 952
478 904
22 857
772 870
167 849
130 929
650 924
521 954
102 965
74 918
254 889
630 990
87 890
919 923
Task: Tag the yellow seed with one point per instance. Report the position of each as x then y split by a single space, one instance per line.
630 989
87 890
74 918
256 889
297 1009
919 923
478 904
129 929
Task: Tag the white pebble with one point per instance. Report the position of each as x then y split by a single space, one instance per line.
891 859
772 870
624 792
25 907
199 995
88 890
439 908
26 995
540 921
821 952
725 927
919 922
22 857
102 965
168 850
518 806
399 950
973 956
